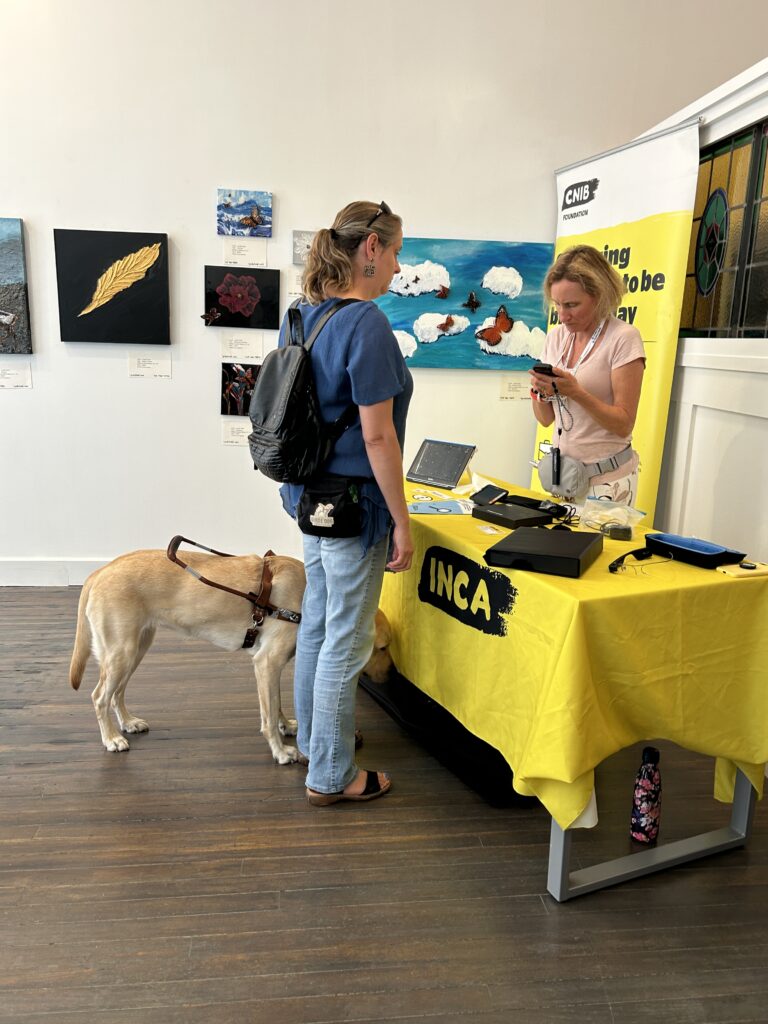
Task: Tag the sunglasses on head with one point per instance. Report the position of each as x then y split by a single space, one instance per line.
383 208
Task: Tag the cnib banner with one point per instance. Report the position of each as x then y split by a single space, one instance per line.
635 205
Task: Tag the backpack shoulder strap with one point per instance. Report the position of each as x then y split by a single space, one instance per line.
324 320
347 418
295 325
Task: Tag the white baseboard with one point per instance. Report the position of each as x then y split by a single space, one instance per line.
47 572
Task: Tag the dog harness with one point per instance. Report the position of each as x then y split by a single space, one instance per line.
260 601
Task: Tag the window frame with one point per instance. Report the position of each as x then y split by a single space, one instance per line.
756 136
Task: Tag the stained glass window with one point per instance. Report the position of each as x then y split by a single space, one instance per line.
726 286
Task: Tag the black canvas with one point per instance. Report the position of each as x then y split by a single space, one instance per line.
113 286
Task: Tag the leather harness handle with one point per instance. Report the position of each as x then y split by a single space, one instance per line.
177 541
260 601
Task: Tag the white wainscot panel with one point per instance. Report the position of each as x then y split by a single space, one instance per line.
714 478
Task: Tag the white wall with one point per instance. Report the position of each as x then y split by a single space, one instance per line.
127 117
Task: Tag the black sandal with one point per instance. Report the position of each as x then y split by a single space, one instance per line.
373 789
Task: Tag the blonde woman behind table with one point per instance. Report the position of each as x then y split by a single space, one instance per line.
598 364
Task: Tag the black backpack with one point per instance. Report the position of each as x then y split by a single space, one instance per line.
290 441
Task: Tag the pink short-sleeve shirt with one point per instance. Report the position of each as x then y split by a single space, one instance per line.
587 440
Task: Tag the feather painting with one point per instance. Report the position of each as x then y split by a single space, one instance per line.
121 275
113 286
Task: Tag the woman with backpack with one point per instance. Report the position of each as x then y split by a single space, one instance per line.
354 516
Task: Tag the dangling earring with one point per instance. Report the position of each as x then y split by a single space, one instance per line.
369 269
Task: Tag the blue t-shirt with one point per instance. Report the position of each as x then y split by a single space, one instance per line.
355 360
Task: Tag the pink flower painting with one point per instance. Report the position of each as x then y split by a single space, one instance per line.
239 294
239 297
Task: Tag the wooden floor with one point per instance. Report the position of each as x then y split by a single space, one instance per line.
188 880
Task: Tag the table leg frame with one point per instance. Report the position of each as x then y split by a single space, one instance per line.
564 884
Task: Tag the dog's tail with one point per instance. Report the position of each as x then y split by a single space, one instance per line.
82 647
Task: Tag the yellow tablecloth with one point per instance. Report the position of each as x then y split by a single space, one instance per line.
557 674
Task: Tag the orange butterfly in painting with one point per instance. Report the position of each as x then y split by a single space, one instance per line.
254 220
446 324
502 325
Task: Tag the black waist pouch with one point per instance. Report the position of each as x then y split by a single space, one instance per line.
330 507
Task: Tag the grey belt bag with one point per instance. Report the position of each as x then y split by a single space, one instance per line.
575 475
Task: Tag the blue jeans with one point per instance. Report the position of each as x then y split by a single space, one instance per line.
334 643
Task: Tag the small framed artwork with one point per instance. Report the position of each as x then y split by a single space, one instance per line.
242 297
246 212
113 286
237 380
15 334
302 243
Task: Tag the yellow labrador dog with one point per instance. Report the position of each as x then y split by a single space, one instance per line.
122 604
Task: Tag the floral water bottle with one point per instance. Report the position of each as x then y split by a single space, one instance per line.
646 800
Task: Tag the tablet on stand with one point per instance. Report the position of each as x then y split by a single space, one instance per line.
440 463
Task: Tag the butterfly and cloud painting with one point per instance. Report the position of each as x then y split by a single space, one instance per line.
15 336
244 212
113 286
242 297
469 305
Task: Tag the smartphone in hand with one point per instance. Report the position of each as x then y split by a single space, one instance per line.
544 369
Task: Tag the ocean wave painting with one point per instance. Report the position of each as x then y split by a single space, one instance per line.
244 212
469 305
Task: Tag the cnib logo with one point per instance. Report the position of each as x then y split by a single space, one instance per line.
580 193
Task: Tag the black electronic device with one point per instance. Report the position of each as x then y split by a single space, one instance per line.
488 495
540 504
522 499
512 516
544 369
556 552
440 463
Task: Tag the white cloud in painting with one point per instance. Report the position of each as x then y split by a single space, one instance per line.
504 281
418 278
431 326
407 343
520 341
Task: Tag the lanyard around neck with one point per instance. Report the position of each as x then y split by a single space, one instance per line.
587 348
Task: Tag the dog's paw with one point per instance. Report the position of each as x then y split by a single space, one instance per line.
287 755
116 743
289 727
135 725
